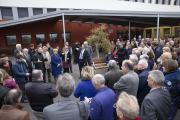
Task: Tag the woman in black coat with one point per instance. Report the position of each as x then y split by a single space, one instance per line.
66 59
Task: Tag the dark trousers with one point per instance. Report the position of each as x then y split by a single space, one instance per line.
48 73
81 65
44 75
22 88
66 70
173 109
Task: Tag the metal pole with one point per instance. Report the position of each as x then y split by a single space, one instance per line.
157 28
64 29
129 30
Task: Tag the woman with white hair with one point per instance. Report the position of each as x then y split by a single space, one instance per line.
127 107
56 64
17 50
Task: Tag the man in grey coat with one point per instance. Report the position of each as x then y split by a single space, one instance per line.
156 104
129 81
88 48
66 108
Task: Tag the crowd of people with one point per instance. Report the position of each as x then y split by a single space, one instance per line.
142 82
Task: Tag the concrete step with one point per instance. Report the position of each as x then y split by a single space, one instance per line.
98 60
100 64
100 67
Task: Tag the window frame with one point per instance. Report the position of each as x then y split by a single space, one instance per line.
41 41
14 43
23 34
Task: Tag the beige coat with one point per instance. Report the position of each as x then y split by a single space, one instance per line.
9 112
48 57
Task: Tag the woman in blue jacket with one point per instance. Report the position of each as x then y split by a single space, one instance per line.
85 87
56 64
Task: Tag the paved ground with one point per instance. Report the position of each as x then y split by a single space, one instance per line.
75 74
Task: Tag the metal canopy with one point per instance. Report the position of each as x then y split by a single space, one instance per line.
138 19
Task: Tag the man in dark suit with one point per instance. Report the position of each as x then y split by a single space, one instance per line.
84 58
156 104
143 88
39 94
38 61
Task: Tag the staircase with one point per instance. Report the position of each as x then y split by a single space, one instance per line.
99 63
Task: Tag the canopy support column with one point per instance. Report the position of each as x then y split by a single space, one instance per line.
157 29
129 31
64 28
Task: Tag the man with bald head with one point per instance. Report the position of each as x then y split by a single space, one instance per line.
11 108
39 94
129 81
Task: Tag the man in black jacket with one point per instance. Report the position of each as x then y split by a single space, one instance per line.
39 94
38 61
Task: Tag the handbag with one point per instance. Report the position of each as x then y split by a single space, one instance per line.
83 110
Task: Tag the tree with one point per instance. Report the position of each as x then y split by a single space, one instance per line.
99 38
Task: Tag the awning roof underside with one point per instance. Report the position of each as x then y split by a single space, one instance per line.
137 19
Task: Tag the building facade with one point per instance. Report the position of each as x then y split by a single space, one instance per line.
51 30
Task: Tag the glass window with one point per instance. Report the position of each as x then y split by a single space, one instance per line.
177 32
149 1
11 39
37 11
155 33
50 10
167 32
67 35
53 37
40 38
176 2
6 13
22 12
26 38
148 33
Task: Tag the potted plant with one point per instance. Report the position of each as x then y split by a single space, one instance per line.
99 38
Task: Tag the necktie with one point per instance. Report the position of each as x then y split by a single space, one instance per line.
81 55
